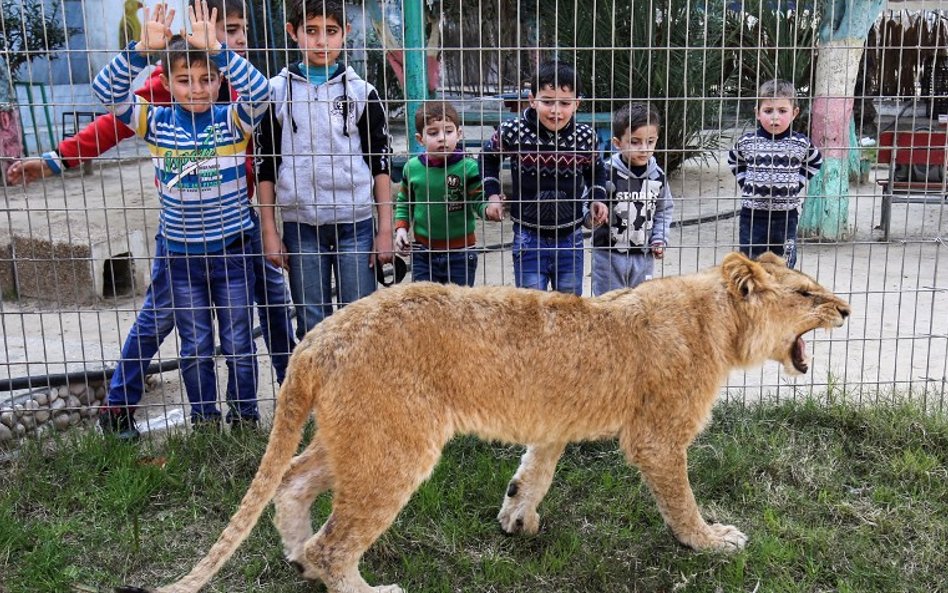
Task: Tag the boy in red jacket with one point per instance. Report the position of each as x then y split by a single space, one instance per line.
155 319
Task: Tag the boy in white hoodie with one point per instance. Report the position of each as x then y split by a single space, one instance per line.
323 158
640 204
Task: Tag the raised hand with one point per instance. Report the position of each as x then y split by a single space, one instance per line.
203 27
157 28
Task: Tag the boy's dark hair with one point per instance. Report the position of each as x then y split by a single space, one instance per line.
777 89
179 50
556 75
299 11
225 8
435 111
633 116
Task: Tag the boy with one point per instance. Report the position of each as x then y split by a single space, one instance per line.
640 204
440 195
555 172
199 150
772 165
324 160
155 320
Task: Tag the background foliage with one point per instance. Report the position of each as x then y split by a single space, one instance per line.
698 53
30 29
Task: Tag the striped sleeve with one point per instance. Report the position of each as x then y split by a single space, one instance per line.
113 86
253 88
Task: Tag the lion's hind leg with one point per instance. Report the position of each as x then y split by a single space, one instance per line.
666 473
309 476
528 487
369 491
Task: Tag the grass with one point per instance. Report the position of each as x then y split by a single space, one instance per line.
833 498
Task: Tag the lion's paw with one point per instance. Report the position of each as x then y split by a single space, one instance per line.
303 568
388 589
514 520
726 538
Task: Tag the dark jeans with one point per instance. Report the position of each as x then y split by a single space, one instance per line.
321 254
455 267
769 230
540 262
204 286
155 321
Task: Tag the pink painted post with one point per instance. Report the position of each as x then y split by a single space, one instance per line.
829 125
11 145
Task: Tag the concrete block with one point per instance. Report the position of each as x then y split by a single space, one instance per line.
81 268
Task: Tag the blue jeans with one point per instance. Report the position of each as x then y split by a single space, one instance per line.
221 284
456 267
273 305
320 254
155 322
769 230
540 262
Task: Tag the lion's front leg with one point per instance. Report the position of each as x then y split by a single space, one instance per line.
528 487
666 474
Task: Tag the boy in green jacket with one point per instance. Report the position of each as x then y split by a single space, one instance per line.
440 196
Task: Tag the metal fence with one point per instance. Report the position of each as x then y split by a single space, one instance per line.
77 249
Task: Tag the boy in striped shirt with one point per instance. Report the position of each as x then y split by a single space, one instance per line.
199 149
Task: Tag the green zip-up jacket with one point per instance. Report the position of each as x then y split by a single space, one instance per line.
440 200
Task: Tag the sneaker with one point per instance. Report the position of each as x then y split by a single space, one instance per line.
206 424
243 424
119 422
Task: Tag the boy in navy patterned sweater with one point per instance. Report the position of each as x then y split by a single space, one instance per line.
199 149
556 173
772 165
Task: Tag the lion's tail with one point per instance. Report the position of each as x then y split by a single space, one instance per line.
294 405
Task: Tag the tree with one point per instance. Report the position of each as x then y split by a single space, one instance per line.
843 30
30 29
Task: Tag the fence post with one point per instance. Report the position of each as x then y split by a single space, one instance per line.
416 67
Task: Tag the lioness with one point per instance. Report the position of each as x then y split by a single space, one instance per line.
521 366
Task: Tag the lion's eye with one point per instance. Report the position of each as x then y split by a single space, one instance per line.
805 293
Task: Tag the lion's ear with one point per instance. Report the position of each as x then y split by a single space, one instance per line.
743 276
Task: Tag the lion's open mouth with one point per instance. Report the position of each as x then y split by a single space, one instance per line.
798 355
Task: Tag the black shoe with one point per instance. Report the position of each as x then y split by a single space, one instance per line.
243 424
119 422
206 424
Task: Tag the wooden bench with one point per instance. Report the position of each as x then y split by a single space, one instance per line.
910 148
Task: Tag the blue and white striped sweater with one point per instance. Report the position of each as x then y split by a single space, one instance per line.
199 158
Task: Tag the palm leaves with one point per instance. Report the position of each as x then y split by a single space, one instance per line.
685 56
668 52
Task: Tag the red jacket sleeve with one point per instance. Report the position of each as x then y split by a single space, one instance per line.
251 171
105 131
